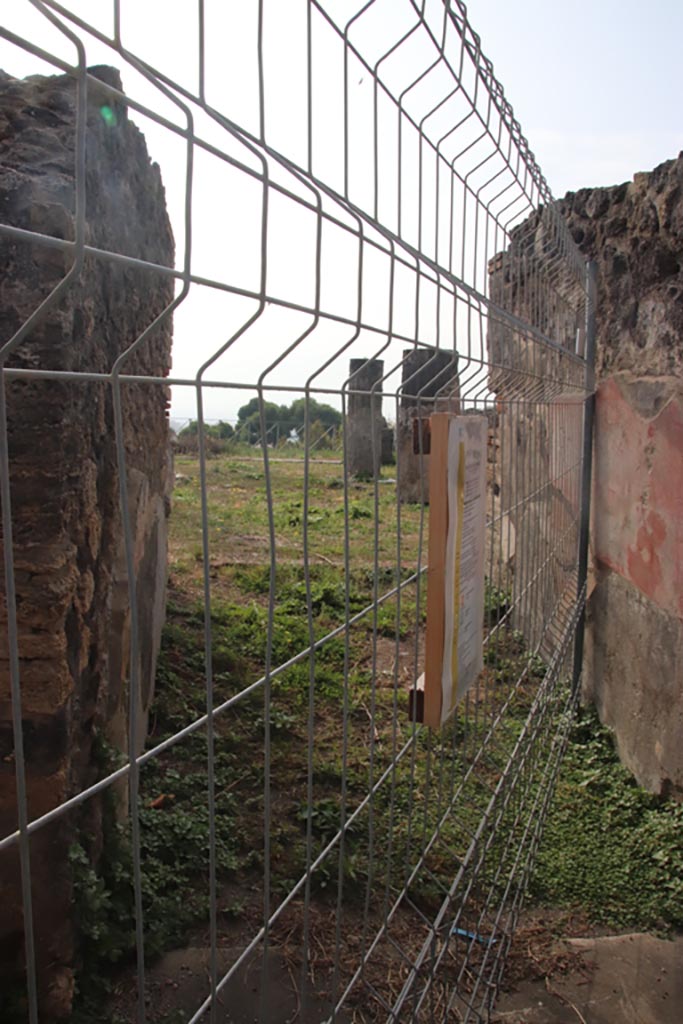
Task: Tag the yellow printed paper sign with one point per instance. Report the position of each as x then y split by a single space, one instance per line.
455 575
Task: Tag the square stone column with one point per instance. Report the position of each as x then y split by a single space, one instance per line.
364 419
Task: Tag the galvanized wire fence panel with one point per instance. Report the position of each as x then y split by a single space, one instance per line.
343 184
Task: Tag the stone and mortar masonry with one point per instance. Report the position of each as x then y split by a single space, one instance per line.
72 590
633 667
539 430
634 654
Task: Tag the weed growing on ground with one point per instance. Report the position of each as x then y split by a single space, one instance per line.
609 847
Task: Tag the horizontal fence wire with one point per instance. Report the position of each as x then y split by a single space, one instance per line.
360 225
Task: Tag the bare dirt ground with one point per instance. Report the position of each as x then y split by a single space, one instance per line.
560 970
589 978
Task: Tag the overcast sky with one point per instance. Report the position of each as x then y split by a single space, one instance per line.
596 85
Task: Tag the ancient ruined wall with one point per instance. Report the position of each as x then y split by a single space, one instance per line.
634 660
364 419
539 396
72 592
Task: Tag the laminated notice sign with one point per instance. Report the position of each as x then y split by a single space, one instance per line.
455 575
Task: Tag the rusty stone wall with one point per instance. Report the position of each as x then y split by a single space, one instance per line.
634 659
72 589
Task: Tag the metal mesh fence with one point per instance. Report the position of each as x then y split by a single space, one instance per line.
345 182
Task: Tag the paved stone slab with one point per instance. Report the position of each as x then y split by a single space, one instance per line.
637 979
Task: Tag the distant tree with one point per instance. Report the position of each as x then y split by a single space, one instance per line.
325 414
221 430
224 430
249 419
248 410
318 434
281 420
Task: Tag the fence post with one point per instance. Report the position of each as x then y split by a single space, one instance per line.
586 469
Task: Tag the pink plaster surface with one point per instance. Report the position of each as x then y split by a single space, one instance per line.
639 494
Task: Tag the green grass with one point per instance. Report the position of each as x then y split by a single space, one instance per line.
237 513
610 848
174 823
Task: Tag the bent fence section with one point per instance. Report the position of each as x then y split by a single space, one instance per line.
346 215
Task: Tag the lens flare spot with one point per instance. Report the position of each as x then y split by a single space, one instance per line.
108 115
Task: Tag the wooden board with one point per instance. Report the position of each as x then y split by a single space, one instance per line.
456 566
